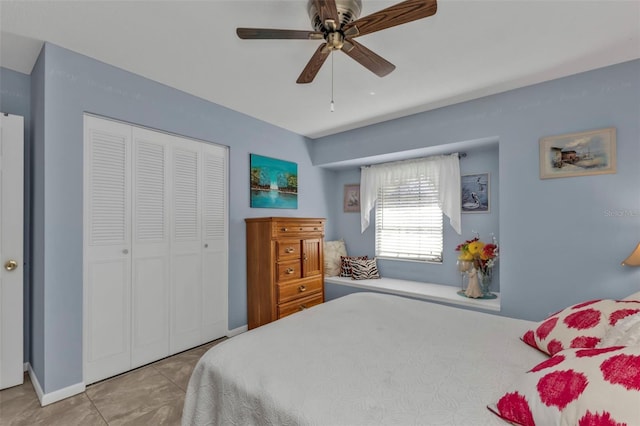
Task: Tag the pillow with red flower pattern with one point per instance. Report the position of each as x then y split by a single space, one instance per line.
582 387
579 326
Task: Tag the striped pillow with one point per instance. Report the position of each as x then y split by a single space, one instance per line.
345 264
364 269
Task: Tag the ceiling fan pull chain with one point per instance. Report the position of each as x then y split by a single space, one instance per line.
332 108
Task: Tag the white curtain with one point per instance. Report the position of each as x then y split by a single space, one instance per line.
442 170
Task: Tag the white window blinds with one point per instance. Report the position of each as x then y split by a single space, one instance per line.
443 172
409 222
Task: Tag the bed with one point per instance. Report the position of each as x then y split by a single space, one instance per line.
362 359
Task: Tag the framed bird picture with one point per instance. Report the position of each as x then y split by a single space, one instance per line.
475 193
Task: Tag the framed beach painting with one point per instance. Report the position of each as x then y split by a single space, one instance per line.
274 183
475 193
578 154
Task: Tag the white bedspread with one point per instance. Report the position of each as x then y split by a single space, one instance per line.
363 359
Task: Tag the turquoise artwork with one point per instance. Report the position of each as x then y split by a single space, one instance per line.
274 183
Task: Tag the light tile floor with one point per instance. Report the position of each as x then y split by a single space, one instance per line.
150 395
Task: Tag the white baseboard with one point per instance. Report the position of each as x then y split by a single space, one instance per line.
51 397
237 331
25 367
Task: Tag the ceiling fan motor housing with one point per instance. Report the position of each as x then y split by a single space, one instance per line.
348 11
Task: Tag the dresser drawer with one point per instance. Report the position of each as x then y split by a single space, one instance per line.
288 249
290 291
289 270
284 229
298 305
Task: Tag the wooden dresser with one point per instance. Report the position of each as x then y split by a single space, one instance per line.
285 267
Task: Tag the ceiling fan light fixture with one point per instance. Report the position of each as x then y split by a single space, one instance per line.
335 41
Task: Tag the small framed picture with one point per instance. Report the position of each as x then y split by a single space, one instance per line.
351 201
578 154
475 193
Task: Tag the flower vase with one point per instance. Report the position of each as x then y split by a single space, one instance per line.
485 282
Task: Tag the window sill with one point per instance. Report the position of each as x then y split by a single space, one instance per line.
419 290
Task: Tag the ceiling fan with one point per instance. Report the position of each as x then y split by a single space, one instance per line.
336 22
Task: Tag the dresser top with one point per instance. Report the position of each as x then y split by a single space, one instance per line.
288 219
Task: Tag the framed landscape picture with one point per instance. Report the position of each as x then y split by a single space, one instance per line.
578 154
274 183
475 193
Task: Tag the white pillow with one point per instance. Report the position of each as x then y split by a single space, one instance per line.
634 296
625 332
332 252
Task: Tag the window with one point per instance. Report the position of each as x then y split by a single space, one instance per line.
409 223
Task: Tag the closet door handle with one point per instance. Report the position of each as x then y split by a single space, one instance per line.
10 265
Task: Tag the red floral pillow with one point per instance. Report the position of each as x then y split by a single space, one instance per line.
582 387
579 326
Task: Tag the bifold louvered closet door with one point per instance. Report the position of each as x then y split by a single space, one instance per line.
155 245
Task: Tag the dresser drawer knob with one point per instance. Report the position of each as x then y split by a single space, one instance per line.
290 271
289 250
302 288
303 307
284 229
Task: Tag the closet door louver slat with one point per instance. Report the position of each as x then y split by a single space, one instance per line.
214 197
185 194
108 205
150 191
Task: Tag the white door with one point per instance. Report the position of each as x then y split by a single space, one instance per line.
150 255
11 244
214 236
186 246
107 245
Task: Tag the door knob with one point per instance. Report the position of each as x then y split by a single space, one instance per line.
11 265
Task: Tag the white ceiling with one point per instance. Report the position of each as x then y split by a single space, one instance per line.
467 50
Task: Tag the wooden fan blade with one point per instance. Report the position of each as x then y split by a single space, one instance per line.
269 33
370 60
313 66
397 14
327 10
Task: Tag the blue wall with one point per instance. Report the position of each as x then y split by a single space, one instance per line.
561 240
67 85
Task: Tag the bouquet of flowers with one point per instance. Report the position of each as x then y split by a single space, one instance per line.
483 256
